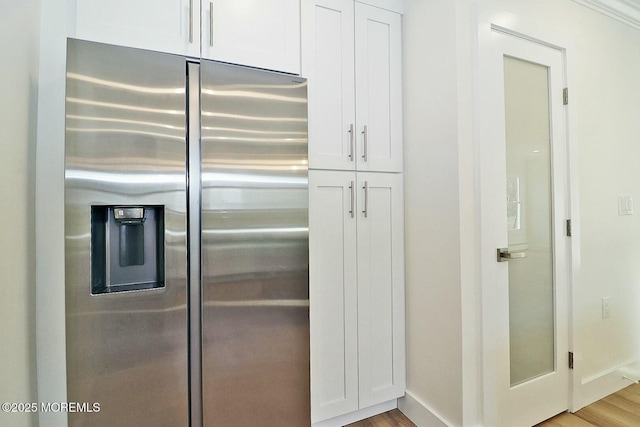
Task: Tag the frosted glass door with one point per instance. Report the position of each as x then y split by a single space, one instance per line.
529 220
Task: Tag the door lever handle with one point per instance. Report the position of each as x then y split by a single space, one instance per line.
504 255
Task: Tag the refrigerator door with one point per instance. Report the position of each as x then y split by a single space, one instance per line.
125 234
255 326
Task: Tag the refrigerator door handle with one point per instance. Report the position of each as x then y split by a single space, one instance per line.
194 272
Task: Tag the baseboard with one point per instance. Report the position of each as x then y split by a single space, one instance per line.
420 413
596 387
361 414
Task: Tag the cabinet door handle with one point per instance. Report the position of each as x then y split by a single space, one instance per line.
211 24
366 198
351 142
351 187
190 21
366 143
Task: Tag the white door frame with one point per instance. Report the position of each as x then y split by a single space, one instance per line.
505 24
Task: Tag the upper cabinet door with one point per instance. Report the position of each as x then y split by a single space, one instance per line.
258 33
378 47
327 63
162 25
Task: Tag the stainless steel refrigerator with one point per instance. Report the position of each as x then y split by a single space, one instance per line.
186 227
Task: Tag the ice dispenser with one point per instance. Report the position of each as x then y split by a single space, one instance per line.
127 248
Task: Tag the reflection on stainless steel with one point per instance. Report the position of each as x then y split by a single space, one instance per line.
254 249
124 121
125 350
127 131
121 85
254 131
255 118
299 232
215 179
226 92
136 349
260 303
90 102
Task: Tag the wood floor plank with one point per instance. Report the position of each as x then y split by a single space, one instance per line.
632 392
621 409
565 419
630 395
393 418
602 413
623 403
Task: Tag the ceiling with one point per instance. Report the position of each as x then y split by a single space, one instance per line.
625 11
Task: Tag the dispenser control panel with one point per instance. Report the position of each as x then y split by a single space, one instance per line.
127 248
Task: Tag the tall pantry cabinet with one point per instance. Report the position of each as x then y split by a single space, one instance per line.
351 56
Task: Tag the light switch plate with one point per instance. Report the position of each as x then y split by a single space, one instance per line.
625 205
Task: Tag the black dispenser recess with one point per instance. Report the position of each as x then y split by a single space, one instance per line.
127 248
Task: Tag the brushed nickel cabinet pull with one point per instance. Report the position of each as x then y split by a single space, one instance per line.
190 21
366 198
366 143
211 24
351 187
351 156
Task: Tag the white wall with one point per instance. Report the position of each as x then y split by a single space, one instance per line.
434 274
19 39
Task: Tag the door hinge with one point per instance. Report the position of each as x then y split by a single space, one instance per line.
565 96
568 228
570 360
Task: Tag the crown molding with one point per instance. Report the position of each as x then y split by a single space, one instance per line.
625 11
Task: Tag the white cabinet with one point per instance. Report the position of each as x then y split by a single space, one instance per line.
356 290
352 58
333 294
380 237
258 33
162 25
378 89
264 34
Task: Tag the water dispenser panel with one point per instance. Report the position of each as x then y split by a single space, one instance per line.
127 248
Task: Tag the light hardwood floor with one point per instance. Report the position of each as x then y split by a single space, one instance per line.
621 409
393 418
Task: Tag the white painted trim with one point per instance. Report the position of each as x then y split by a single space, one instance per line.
57 23
603 384
469 203
625 11
420 413
391 5
491 20
619 370
359 415
513 33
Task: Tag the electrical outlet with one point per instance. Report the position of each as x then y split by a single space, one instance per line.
606 307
